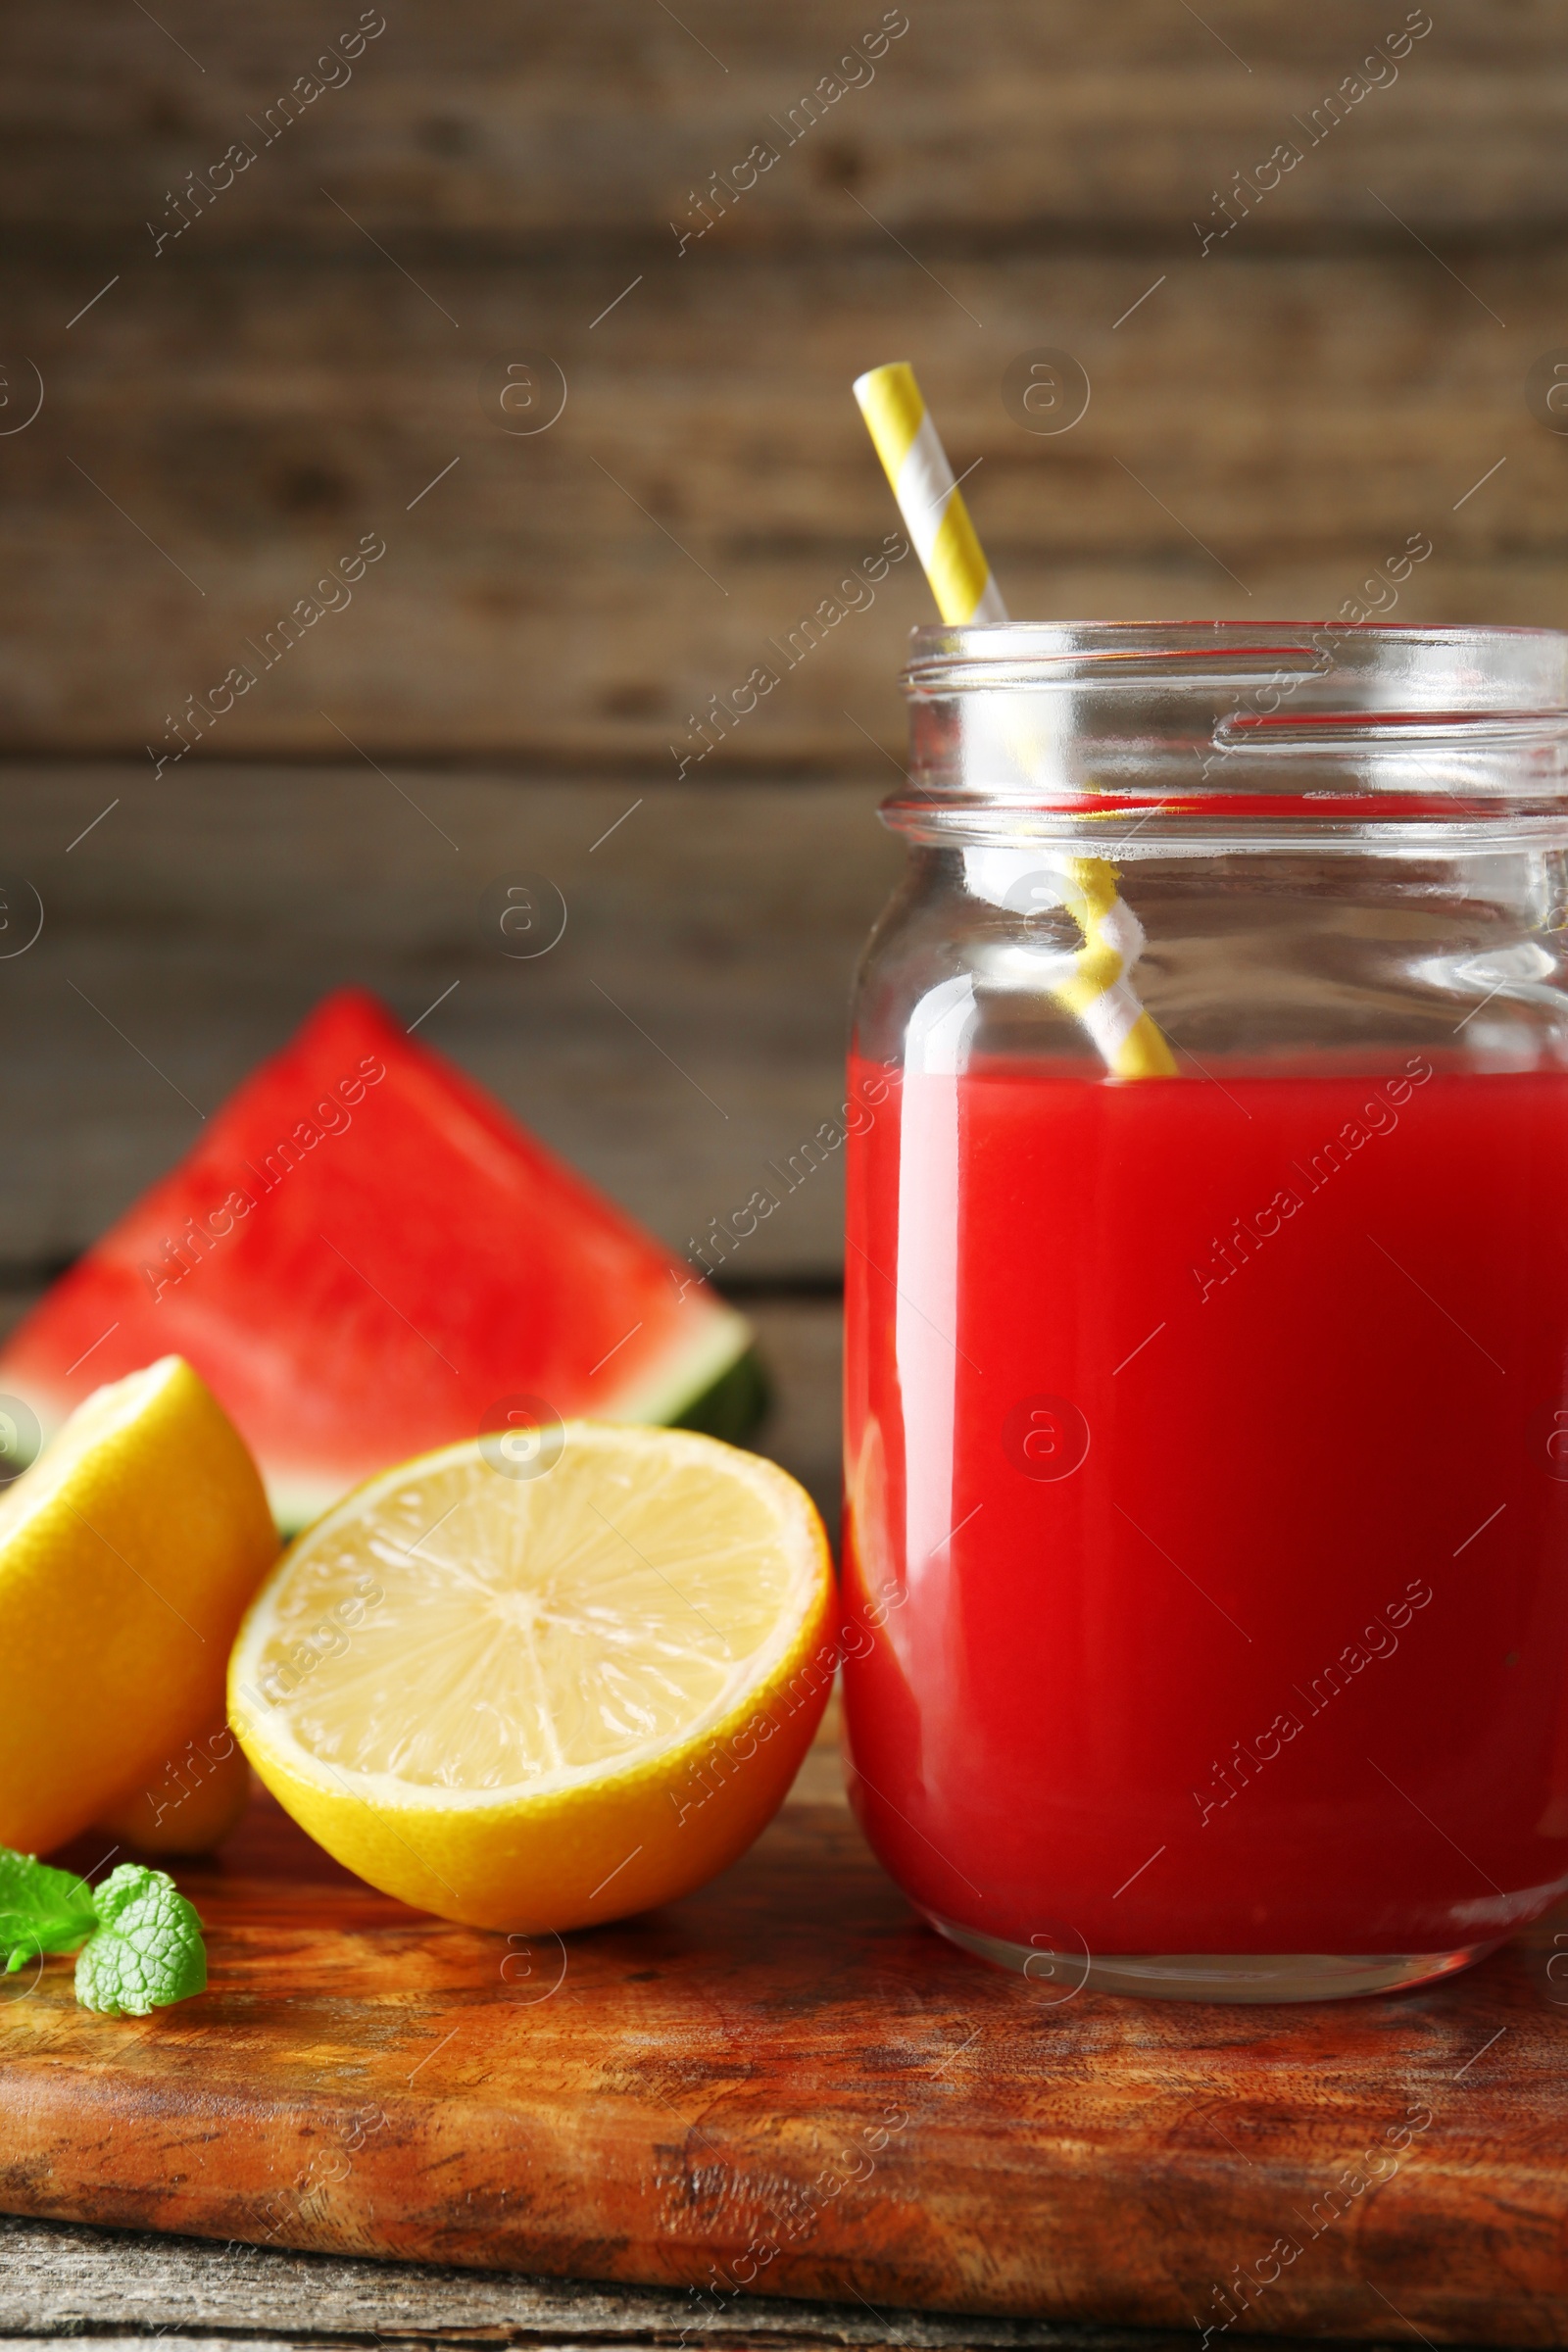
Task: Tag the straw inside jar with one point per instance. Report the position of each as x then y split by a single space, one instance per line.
1098 991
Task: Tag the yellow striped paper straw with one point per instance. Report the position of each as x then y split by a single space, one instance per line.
938 522
934 515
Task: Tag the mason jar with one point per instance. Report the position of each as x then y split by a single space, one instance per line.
1206 1448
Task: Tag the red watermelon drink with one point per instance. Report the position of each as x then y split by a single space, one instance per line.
1207 1442
1245 1405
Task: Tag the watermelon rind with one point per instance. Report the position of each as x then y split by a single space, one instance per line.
666 1391
733 1406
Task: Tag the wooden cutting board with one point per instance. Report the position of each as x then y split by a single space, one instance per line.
787 2085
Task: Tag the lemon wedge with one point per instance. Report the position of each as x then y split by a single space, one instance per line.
128 1553
542 1686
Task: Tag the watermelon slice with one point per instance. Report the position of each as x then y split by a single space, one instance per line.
366 1257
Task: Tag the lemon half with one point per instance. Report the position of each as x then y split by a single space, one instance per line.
543 1693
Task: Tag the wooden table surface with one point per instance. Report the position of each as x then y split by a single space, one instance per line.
1085 2159
124 2286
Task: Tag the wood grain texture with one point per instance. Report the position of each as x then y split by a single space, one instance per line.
1262 431
745 2328
530 125
688 1028
714 2077
56 2279
225 412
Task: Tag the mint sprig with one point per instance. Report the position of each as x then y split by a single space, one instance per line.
141 1940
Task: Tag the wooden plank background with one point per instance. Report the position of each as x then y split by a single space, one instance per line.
308 354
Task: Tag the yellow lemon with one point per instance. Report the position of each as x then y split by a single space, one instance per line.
543 1687
200 1797
128 1553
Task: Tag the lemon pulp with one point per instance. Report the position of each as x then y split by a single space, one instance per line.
467 1682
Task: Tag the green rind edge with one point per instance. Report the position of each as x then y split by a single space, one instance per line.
733 1405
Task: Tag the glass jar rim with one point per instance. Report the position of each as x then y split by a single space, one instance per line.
1261 731
1462 668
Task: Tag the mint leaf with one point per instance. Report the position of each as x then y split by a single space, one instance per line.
141 1940
41 1910
148 1949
